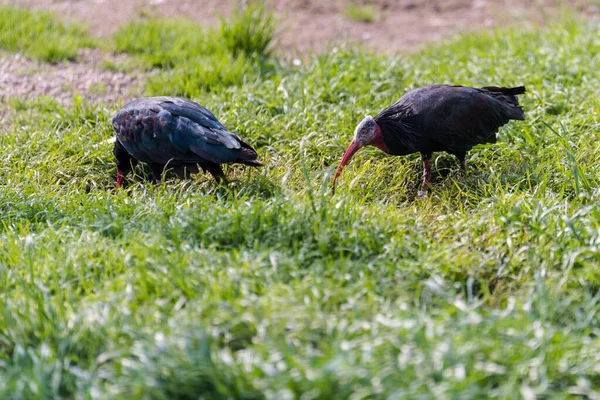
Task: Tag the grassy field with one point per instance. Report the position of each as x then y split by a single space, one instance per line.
273 288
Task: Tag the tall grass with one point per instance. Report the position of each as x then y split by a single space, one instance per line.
201 75
250 30
39 35
166 43
195 60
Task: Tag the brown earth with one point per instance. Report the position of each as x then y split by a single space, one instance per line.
305 25
21 77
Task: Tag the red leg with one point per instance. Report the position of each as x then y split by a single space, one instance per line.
119 180
426 174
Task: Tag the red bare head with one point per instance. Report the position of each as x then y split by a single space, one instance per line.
366 133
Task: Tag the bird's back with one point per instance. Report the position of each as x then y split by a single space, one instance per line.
142 127
161 130
448 118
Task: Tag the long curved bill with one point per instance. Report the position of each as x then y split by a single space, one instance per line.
352 149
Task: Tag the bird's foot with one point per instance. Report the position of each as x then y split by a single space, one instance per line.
422 194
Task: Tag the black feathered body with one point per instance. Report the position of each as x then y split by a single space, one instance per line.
178 134
447 118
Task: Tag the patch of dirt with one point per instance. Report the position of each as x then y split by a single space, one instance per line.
25 79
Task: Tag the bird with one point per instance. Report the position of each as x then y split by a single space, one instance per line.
429 119
177 134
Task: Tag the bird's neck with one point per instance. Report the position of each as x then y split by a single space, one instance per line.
396 138
378 140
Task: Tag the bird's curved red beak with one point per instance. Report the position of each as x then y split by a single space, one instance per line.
352 149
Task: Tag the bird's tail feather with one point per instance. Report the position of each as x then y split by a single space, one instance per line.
248 155
506 91
508 98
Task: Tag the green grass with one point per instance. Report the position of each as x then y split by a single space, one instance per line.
249 30
39 35
203 74
193 60
360 12
166 43
273 288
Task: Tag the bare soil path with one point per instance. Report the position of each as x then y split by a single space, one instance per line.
21 77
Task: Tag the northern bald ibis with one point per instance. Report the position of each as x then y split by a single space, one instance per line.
437 118
177 134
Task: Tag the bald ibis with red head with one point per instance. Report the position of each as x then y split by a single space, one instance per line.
437 118
177 134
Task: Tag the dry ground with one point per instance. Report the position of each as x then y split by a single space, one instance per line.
305 25
21 77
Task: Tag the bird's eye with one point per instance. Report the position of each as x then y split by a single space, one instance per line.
363 132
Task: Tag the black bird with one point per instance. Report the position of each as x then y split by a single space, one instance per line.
177 134
437 118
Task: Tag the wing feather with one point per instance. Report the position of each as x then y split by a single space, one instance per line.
207 122
167 129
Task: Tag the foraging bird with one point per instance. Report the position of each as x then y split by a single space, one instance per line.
178 134
437 118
